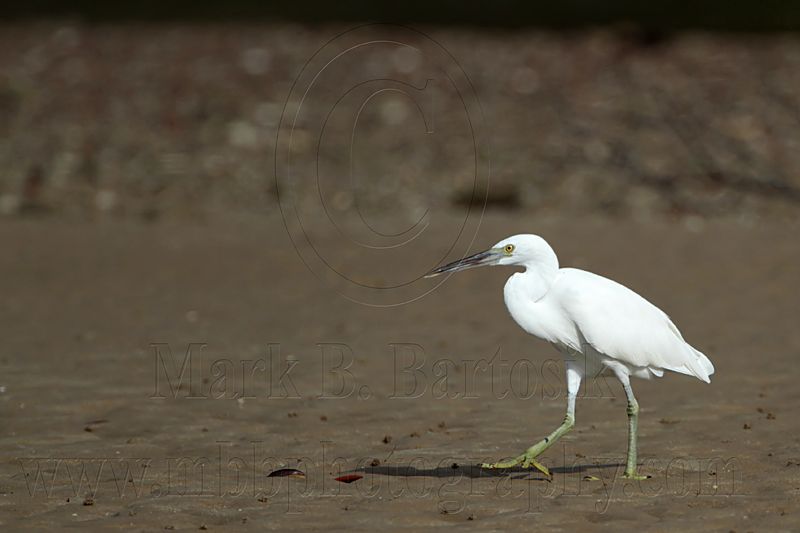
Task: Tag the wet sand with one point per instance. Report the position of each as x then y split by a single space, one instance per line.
98 432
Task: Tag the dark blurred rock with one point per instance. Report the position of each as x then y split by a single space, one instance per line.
499 196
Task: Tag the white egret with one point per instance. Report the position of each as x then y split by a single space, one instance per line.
594 322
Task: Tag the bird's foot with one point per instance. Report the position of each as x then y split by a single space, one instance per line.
634 475
526 460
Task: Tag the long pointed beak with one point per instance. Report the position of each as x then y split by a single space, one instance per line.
489 257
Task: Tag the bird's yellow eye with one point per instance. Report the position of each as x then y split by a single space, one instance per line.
509 248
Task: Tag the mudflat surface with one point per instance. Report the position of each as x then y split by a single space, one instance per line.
97 431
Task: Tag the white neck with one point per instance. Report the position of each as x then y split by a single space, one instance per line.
537 279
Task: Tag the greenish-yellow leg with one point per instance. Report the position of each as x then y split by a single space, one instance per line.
633 426
528 458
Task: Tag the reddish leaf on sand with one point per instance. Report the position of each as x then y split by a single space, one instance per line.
348 478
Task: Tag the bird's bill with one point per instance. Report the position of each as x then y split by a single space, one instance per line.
489 257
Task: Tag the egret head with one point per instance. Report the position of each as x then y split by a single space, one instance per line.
530 251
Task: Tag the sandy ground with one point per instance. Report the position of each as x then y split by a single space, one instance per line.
97 432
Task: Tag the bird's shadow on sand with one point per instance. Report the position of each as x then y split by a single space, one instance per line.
477 471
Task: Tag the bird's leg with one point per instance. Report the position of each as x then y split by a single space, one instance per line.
528 459
633 426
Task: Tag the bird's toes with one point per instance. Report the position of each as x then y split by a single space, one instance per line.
533 463
636 477
503 464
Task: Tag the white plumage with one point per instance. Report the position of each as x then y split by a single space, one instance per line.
596 323
600 318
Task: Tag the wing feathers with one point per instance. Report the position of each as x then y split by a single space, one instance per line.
622 325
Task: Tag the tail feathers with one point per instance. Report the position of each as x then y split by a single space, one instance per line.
697 365
705 361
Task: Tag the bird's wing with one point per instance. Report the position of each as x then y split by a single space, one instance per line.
622 325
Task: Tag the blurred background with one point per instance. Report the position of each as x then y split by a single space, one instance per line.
154 109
